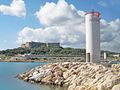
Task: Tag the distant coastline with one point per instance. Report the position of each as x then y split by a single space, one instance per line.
47 59
23 61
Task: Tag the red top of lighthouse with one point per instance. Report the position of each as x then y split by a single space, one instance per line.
96 13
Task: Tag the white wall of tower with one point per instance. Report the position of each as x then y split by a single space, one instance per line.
93 37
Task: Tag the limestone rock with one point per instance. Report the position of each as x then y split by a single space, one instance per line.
80 88
47 79
72 87
116 87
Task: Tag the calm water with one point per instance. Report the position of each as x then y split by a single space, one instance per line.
8 70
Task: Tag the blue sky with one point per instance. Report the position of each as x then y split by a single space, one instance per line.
18 26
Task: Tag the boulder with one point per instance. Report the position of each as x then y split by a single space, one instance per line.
66 74
47 79
36 77
79 88
72 87
101 87
116 87
109 84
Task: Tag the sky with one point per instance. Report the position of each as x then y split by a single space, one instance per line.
57 21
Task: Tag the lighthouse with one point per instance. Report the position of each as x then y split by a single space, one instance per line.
92 24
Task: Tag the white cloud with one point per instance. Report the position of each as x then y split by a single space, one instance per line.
110 35
65 24
103 3
51 34
54 14
16 8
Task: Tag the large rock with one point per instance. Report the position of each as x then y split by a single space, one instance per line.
40 73
116 87
111 82
72 87
80 88
47 79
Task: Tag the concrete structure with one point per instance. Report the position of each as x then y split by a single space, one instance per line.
92 20
105 56
116 55
33 45
39 44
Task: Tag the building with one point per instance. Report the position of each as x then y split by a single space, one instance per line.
23 45
39 44
33 45
53 44
105 56
92 21
116 55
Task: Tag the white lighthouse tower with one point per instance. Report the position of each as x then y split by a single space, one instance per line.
92 20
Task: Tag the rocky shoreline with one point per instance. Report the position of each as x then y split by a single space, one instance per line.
75 76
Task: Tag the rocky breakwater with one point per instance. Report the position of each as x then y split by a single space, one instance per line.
75 76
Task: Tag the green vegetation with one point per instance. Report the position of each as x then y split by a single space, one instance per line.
12 52
56 51
48 51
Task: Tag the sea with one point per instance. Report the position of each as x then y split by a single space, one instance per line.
8 80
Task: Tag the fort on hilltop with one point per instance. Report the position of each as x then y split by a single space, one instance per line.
39 44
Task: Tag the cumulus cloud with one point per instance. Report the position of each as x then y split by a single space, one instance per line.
54 14
65 24
110 35
51 34
16 8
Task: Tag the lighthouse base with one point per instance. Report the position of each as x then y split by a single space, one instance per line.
92 58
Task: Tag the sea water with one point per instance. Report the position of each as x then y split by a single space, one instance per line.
9 70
